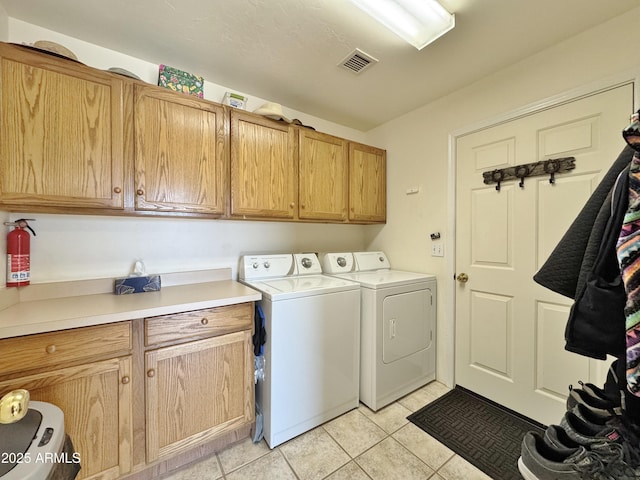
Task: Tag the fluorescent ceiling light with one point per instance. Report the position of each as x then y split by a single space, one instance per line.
419 22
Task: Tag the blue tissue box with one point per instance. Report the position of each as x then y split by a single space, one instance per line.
123 286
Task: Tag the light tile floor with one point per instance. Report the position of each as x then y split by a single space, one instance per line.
359 445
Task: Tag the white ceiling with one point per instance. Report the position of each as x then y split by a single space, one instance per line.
287 51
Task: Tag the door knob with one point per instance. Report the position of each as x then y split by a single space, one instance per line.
462 278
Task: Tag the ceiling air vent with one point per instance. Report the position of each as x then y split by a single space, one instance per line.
357 61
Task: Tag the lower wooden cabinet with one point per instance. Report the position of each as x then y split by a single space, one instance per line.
197 391
138 394
96 401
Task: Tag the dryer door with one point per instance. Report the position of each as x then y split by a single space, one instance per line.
406 324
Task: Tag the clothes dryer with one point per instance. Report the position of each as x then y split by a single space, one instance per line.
397 328
312 349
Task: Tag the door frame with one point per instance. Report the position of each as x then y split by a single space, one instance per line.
448 328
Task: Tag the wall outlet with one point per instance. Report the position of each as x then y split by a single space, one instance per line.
437 249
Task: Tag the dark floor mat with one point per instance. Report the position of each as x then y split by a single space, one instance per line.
479 430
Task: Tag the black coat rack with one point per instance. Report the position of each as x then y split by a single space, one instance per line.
543 167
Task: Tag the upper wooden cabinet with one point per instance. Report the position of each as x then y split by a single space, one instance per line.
263 167
322 176
61 126
76 139
180 152
367 184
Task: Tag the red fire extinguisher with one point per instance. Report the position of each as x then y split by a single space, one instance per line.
19 253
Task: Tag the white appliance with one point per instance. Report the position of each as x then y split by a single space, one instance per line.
398 324
312 349
32 448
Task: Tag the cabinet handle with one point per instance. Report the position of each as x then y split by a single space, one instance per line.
302 206
140 191
125 379
151 373
51 348
117 190
291 205
204 321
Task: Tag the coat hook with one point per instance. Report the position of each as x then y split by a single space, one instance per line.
497 176
542 167
551 167
521 172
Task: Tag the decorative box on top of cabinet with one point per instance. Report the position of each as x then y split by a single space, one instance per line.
62 130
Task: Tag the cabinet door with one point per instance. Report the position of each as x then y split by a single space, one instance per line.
180 153
96 402
263 167
322 176
61 126
197 391
367 184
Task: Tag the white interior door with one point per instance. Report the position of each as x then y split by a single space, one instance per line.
510 330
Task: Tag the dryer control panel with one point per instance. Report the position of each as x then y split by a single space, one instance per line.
366 261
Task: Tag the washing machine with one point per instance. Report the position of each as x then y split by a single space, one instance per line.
312 348
397 328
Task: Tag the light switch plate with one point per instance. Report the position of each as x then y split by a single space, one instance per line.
437 249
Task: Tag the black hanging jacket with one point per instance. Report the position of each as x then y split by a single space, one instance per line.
583 266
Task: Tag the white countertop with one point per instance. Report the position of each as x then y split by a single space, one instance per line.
72 311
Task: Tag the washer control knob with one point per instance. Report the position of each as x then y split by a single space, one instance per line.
267 265
255 265
306 262
381 259
342 262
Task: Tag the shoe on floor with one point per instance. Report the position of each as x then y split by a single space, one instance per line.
556 437
591 416
602 407
586 433
607 393
539 461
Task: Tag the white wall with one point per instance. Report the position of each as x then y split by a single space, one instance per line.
69 247
4 24
73 247
417 149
